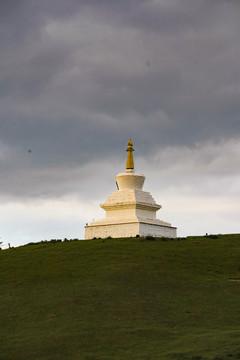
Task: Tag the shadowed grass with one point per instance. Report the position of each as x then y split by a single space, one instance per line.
121 299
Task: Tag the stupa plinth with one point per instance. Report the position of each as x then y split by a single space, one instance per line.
130 211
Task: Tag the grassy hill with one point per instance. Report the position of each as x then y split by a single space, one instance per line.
121 299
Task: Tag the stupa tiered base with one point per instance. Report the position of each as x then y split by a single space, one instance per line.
129 211
104 229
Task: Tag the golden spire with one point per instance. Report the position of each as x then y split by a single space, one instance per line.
130 149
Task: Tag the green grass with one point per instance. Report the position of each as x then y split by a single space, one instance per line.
121 299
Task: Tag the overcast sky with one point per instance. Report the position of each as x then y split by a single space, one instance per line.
79 77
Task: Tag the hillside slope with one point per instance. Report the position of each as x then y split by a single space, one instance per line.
121 299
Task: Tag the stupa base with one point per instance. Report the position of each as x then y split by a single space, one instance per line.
130 229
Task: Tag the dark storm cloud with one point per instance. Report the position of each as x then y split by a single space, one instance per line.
29 79
171 16
26 17
78 78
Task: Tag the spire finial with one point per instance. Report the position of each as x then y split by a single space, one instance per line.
130 149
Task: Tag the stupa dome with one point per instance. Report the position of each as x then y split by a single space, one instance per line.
130 181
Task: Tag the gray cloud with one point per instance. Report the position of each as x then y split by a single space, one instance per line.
78 78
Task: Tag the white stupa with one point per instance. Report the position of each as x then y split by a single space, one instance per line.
130 211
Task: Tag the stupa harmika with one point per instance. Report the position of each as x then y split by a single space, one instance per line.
130 211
